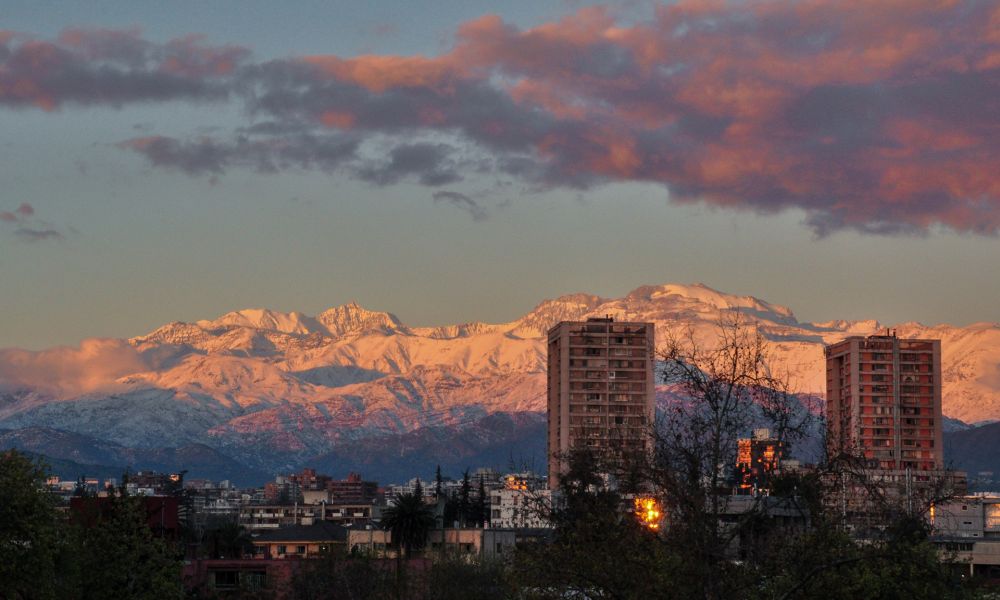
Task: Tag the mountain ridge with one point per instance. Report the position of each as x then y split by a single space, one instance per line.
255 382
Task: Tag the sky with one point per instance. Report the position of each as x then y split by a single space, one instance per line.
459 161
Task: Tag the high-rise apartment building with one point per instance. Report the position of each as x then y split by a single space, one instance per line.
600 389
883 401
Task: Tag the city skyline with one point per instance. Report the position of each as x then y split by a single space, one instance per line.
178 163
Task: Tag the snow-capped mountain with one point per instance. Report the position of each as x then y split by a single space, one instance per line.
274 389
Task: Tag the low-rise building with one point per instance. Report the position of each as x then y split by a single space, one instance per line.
520 508
299 541
484 544
257 517
968 528
237 575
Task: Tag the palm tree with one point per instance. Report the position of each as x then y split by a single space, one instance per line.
409 521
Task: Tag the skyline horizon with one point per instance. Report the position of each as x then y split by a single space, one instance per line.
799 318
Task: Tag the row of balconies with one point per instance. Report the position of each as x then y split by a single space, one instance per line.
636 341
603 352
583 387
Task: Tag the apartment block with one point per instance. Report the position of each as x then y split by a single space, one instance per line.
601 386
883 399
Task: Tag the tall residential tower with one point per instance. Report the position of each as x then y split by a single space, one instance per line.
883 401
601 389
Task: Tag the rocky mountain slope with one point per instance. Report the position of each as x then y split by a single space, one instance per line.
273 390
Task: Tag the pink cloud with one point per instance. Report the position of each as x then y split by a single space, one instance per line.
862 115
111 67
94 364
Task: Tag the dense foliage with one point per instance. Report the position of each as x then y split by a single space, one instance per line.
45 554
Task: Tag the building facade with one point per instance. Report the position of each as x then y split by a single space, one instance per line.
601 386
520 509
758 460
485 544
968 529
883 400
255 517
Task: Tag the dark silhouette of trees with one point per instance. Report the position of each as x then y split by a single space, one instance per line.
465 500
119 555
597 551
34 548
333 576
409 520
107 552
480 509
227 540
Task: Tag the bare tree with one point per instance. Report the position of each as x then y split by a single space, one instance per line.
718 392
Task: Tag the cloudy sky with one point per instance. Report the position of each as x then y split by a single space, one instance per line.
449 162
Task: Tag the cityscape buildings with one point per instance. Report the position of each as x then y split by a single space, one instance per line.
883 398
600 389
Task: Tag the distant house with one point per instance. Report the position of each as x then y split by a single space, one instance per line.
237 575
256 517
300 541
469 543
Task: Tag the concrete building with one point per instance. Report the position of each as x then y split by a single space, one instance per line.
257 518
520 508
600 389
968 528
299 541
758 460
883 398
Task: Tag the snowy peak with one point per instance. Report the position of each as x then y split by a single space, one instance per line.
570 307
700 295
351 318
262 318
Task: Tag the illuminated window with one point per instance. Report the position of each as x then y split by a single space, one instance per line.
992 516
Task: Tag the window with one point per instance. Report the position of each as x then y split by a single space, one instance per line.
992 516
300 549
281 549
227 579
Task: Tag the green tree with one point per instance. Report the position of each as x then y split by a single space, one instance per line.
333 576
597 550
119 555
409 520
227 540
826 563
437 482
33 545
455 578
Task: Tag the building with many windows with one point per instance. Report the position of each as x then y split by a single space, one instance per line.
600 389
883 399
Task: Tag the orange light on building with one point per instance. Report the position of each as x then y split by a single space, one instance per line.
647 510
744 456
514 483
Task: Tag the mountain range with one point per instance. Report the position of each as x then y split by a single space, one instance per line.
259 391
